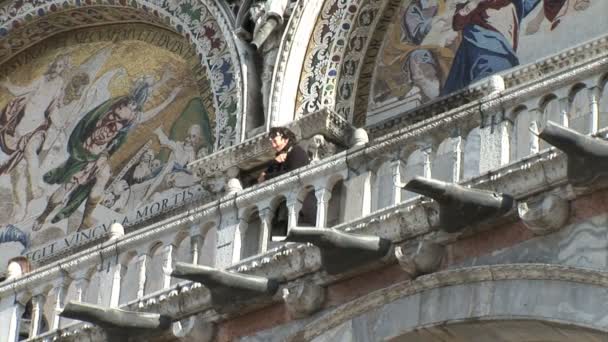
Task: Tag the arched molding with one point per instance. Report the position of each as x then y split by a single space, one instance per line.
332 64
290 60
203 24
541 292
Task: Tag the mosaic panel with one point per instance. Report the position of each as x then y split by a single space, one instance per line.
433 48
98 126
22 23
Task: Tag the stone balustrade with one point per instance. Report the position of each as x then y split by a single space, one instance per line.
487 143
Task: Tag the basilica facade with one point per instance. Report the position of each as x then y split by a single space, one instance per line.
456 183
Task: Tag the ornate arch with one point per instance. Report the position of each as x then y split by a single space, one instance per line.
202 23
334 57
551 294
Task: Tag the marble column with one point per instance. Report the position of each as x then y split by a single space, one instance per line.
594 100
167 254
10 319
323 196
142 264
266 221
196 243
294 205
57 294
37 314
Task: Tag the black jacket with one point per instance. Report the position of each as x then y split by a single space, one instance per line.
296 158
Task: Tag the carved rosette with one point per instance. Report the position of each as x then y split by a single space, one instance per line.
424 260
545 215
303 298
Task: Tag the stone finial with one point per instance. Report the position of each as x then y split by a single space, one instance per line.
303 298
496 84
545 215
320 148
360 137
587 156
13 271
426 259
17 267
194 329
233 184
116 231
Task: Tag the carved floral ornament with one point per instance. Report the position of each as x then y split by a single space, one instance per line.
23 24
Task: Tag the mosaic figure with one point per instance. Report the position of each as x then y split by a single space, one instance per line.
24 122
424 74
490 33
100 133
417 20
182 153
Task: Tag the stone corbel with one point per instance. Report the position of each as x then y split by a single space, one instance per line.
116 321
341 251
319 148
460 206
194 329
233 184
587 156
226 287
424 260
303 298
544 215
117 231
359 137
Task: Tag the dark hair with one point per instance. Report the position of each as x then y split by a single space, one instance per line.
284 132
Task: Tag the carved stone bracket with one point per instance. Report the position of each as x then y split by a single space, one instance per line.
460 206
194 329
341 251
587 156
319 148
424 260
115 320
257 150
226 287
545 215
303 298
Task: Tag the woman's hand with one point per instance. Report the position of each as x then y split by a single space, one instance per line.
281 157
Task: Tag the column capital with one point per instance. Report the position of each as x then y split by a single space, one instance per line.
322 194
266 214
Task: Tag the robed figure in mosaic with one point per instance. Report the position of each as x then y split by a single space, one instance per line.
490 37
99 134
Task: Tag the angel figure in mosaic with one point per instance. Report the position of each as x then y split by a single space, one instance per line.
100 133
83 91
24 123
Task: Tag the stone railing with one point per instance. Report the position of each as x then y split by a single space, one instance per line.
352 191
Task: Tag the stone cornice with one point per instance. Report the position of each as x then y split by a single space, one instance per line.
257 150
557 62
